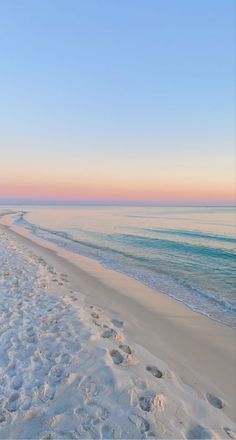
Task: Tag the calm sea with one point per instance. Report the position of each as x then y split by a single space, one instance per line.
187 253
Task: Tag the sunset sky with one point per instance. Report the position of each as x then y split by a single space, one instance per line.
117 101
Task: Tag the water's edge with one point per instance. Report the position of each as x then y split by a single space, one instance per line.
227 311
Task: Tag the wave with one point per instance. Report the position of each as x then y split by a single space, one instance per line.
144 268
194 234
151 242
138 241
36 230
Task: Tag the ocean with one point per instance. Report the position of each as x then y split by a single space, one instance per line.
186 253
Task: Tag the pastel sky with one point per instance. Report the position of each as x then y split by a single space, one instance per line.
106 100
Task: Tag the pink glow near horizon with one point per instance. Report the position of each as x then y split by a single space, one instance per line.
188 179
61 191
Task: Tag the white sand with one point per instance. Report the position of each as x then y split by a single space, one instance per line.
70 369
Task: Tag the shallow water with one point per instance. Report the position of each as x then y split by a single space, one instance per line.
187 253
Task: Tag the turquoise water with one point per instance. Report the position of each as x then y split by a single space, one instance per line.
187 253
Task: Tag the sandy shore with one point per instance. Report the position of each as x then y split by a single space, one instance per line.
194 398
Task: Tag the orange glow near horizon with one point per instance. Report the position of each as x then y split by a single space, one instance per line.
187 192
167 180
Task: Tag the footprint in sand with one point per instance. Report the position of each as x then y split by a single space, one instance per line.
230 433
141 424
116 357
91 307
146 403
125 348
198 432
95 315
17 382
57 373
214 401
47 392
109 333
154 371
26 403
117 323
88 387
102 413
13 402
106 431
11 366
4 416
63 358
159 402
149 401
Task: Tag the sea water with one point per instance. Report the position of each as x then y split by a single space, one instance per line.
186 253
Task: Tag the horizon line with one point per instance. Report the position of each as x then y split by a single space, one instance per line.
114 203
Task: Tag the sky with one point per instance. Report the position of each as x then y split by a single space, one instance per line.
117 101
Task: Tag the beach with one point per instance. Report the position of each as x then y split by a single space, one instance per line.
117 220
87 352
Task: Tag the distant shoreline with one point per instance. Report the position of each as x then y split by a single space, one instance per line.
118 204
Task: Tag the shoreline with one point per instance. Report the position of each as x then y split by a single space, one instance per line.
201 351
186 303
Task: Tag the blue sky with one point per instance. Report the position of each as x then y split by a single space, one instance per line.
106 83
